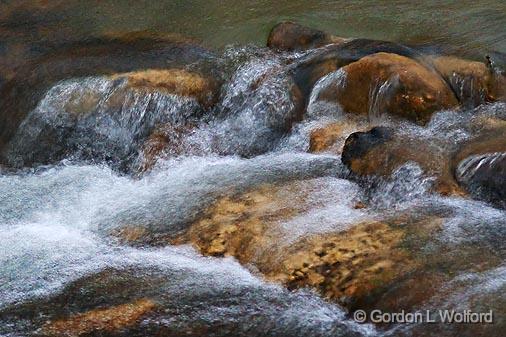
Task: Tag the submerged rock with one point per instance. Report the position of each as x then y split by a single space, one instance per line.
347 266
182 301
98 321
369 264
381 151
390 83
290 36
480 165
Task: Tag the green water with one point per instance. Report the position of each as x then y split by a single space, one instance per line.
464 25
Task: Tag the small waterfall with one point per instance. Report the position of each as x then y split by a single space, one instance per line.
97 119
318 106
407 184
483 175
380 93
258 106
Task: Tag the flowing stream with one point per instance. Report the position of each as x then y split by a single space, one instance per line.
56 219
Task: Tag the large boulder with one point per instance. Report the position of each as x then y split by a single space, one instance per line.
392 84
106 55
106 119
290 36
317 63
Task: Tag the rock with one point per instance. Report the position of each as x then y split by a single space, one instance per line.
499 88
347 267
290 36
471 81
381 151
108 320
174 81
485 176
392 84
480 165
372 264
107 119
315 64
331 137
165 141
202 297
106 55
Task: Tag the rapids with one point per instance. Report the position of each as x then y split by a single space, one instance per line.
56 219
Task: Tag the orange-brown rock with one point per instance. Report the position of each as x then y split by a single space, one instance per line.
107 320
353 267
349 267
331 137
317 63
245 226
472 82
173 81
372 265
290 36
393 84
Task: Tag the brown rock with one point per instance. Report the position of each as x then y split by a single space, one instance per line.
107 55
471 81
317 63
331 137
348 267
290 36
353 267
106 320
173 81
390 83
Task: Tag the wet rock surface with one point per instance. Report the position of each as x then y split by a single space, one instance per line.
106 118
381 151
471 81
290 36
366 265
143 302
480 164
390 83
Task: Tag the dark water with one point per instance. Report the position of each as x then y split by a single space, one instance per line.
465 25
